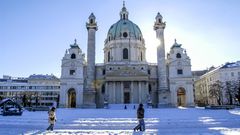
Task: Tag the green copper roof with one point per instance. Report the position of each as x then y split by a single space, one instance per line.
118 29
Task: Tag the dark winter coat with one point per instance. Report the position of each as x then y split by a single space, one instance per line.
140 113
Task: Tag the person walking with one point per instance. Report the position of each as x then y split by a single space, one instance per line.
140 116
51 118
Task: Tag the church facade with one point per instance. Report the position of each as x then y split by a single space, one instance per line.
125 77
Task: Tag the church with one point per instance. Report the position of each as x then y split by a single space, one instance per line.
125 77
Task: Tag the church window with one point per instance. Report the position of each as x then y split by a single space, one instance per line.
73 56
110 68
140 38
159 20
142 68
103 89
141 57
178 55
125 34
149 89
109 38
179 71
108 56
123 16
149 71
104 71
126 85
72 72
91 21
125 53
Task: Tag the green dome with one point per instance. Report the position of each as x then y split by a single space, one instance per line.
124 28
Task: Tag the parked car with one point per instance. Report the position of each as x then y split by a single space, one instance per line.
10 107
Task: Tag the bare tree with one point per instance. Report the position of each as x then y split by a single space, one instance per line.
215 91
237 94
230 90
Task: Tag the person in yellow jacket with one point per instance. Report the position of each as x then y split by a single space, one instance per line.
51 118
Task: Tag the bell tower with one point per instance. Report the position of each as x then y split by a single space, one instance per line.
163 91
71 94
89 93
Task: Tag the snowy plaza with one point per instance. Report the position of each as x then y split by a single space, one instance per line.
115 121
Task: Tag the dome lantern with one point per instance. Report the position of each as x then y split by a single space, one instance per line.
124 12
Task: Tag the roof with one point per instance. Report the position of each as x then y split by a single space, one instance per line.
122 26
49 77
231 65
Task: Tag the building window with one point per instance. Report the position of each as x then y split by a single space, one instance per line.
103 72
125 53
179 71
149 89
141 57
72 72
178 55
91 21
149 71
108 56
103 89
125 34
73 56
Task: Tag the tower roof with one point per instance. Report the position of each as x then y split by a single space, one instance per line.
176 44
75 45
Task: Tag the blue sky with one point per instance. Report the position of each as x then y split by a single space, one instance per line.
35 34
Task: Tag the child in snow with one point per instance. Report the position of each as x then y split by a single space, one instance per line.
140 116
51 118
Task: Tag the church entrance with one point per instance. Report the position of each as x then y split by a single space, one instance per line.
126 97
71 98
181 97
126 90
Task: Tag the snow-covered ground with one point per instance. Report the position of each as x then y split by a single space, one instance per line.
175 121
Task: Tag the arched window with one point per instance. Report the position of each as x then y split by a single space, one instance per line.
91 21
125 34
178 55
108 56
141 57
109 38
125 53
73 56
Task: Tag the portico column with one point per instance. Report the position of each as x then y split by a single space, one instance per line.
106 91
131 92
146 91
122 95
139 92
114 91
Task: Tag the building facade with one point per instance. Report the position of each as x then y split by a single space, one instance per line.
32 91
126 77
229 72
